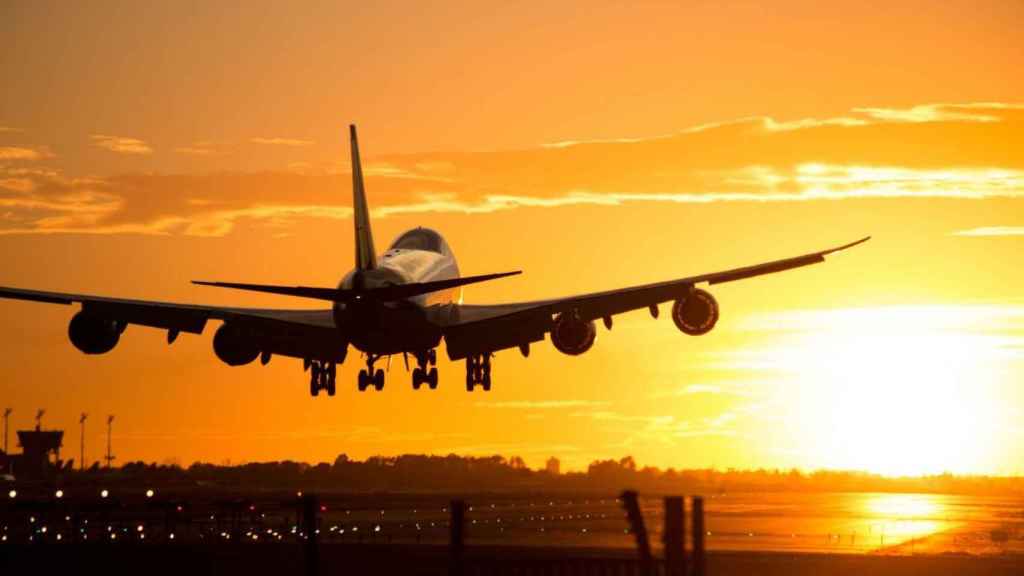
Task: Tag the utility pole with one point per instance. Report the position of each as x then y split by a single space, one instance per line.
7 417
81 464
110 425
39 418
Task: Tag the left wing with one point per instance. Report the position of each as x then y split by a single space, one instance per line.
301 333
470 329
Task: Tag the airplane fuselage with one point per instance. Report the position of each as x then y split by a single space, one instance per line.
402 325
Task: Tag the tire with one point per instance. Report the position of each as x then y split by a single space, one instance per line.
432 379
378 380
363 380
469 381
487 382
417 378
314 390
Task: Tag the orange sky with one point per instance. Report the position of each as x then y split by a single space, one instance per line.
593 146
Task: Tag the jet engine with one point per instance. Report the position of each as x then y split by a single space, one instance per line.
93 334
233 346
696 314
573 336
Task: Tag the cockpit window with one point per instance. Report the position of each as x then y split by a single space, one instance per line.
418 239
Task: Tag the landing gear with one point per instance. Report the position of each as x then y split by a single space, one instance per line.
369 377
321 377
421 375
478 371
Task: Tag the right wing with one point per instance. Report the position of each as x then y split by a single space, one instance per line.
308 334
472 329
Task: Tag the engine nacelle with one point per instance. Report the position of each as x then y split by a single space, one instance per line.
93 334
233 346
696 314
573 336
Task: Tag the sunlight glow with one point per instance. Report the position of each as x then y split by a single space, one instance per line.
893 390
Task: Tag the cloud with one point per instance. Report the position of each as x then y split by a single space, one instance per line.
8 130
121 144
23 153
294 142
992 231
975 112
542 404
931 151
199 148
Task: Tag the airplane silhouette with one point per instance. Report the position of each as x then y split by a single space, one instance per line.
403 302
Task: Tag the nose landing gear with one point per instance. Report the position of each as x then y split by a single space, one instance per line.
478 371
321 377
369 377
421 375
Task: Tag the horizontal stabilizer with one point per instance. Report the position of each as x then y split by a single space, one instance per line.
387 293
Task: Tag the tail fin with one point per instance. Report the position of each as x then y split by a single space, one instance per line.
366 257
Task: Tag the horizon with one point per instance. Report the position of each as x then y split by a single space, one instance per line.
146 146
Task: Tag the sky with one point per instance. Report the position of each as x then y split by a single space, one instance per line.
593 145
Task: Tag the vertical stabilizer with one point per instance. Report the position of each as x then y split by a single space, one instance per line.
366 257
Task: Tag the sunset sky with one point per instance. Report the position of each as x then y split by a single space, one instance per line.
593 145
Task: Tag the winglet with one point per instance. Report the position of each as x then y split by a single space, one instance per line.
366 256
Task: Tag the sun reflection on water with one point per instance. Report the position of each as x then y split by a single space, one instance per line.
900 517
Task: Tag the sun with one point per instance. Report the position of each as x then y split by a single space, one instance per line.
893 390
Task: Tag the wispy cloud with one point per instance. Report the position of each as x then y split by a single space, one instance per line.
24 153
974 112
542 404
851 156
294 142
121 144
199 148
992 231
8 129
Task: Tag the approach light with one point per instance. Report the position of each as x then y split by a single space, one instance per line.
12 494
104 493
149 493
59 493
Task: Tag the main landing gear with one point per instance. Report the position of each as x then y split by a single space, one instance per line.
369 377
421 375
321 377
478 371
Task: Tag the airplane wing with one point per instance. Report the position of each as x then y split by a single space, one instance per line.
475 329
300 333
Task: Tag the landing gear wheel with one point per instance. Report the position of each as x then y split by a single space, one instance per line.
332 373
378 380
486 381
470 382
417 378
432 379
364 380
314 380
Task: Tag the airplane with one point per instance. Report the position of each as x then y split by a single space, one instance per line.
404 301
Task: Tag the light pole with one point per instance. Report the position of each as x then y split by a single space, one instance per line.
7 417
110 425
81 464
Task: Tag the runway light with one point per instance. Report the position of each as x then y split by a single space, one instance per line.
12 494
171 536
139 528
149 493
104 493
59 493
